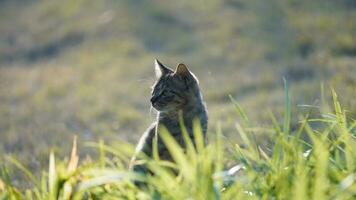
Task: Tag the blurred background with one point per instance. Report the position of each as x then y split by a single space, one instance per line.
85 67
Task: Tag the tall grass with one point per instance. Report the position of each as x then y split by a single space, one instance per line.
312 162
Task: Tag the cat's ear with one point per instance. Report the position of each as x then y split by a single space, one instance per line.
160 69
183 71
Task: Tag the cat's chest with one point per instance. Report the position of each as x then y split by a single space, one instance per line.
174 127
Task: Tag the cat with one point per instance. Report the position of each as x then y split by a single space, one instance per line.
173 93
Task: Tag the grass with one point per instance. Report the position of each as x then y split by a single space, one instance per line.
315 161
85 67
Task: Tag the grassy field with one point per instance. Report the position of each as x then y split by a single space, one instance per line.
85 68
320 167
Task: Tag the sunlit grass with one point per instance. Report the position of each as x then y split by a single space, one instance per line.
308 163
96 81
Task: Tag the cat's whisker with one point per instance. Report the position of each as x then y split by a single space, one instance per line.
146 80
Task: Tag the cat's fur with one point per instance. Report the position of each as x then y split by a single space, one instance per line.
174 92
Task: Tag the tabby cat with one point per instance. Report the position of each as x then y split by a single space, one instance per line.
173 93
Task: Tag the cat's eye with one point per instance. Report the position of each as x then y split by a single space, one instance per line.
168 93
176 93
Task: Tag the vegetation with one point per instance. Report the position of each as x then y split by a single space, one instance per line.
85 68
309 163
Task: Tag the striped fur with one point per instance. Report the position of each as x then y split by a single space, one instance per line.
174 92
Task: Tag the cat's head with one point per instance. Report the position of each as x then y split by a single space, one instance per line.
173 89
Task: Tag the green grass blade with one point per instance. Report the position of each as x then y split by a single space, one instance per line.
240 112
22 168
176 152
188 140
52 177
287 108
198 135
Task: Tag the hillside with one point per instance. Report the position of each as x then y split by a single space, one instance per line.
85 67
